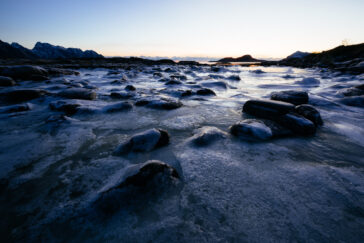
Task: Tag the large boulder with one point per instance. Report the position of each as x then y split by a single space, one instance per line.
6 81
251 129
25 72
298 124
309 112
78 93
144 142
207 135
267 108
69 108
291 96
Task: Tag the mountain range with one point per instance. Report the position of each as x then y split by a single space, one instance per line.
43 51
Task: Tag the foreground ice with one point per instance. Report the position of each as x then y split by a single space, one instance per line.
291 189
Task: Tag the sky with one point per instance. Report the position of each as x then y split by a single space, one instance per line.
205 28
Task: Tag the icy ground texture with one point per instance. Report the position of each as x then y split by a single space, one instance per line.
284 190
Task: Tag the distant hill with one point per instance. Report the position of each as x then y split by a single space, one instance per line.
245 58
43 51
298 54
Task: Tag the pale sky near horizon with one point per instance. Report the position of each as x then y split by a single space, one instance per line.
214 28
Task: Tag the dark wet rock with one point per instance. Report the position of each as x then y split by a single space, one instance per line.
15 108
216 76
308 81
25 72
120 95
291 96
361 86
130 88
173 82
164 104
69 108
142 102
144 142
257 71
310 113
267 108
215 69
6 81
353 91
205 92
357 101
169 70
215 84
234 78
207 135
118 107
178 77
157 74
251 129
298 124
278 131
21 95
178 92
78 93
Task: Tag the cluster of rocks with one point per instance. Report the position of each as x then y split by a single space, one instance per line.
353 96
286 114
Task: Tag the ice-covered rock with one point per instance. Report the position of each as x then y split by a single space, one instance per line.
118 107
160 104
251 129
207 135
144 142
291 96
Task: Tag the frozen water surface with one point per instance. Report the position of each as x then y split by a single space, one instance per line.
282 190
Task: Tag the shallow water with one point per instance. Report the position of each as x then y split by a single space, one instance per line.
291 189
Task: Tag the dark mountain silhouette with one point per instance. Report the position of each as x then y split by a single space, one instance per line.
245 58
43 51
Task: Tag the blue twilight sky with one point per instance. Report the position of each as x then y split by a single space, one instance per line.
213 28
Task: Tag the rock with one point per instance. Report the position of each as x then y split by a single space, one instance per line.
251 129
61 72
357 101
308 81
21 95
257 71
205 91
15 108
173 82
130 88
353 91
178 77
161 104
291 96
278 131
207 135
298 124
267 108
6 81
121 106
310 113
361 86
144 142
68 108
78 93
216 84
216 76
120 95
234 78
26 72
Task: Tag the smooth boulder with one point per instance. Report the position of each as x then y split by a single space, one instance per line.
267 108
310 113
144 142
298 124
291 96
